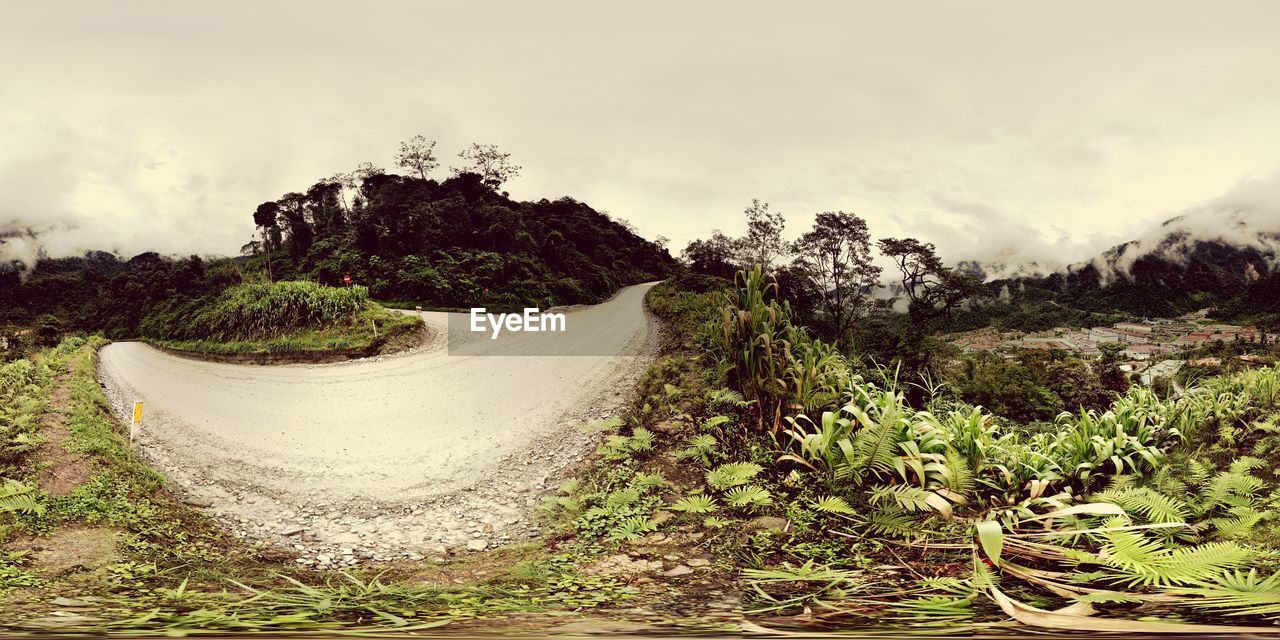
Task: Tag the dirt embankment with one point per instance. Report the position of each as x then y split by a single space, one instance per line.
407 455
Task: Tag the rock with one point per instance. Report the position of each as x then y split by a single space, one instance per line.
198 502
477 545
678 570
668 427
662 517
697 562
346 538
292 531
767 523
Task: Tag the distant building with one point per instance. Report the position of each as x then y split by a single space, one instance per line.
1134 326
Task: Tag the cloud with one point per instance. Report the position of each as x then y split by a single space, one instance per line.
1247 216
995 130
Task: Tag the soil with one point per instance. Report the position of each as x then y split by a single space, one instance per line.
61 470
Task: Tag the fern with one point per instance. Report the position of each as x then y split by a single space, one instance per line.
960 476
16 497
733 474
712 522
1143 561
893 524
696 503
902 497
632 528
1237 593
748 497
701 447
1239 525
871 451
622 498
1151 505
641 440
833 504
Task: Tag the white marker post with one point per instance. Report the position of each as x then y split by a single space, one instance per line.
136 425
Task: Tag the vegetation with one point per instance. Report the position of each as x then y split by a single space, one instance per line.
290 317
169 570
459 242
1144 502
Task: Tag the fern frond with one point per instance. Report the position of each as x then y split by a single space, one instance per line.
903 497
749 496
16 497
697 503
833 504
1152 506
733 474
1143 561
1238 594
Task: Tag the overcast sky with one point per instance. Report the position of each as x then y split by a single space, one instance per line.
1044 130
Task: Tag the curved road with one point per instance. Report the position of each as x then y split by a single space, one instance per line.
316 452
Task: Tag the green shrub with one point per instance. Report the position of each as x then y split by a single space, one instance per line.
270 309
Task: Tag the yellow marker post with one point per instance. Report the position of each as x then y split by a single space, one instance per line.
137 422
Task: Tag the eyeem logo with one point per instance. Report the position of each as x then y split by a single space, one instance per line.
531 321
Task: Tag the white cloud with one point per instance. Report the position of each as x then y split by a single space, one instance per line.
990 128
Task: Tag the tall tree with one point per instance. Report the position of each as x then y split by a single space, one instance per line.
417 154
932 290
713 256
493 166
267 218
763 243
836 256
293 209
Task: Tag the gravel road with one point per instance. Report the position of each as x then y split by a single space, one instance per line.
413 455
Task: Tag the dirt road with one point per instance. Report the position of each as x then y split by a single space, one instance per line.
404 455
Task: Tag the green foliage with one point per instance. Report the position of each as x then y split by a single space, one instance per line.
695 504
733 474
16 497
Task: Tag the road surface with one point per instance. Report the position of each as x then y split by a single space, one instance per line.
324 455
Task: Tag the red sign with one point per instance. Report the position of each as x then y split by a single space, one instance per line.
346 279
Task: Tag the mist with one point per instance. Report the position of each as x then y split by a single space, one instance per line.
1047 135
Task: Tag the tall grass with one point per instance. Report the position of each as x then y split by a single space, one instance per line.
252 311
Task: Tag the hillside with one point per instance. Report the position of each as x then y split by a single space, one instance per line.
456 243
1186 264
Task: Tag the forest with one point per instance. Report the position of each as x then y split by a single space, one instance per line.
409 239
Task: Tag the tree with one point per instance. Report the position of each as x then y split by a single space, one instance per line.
1109 373
417 154
932 291
763 243
493 166
836 256
713 256
266 216
367 170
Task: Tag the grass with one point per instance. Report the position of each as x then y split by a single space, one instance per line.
176 572
372 330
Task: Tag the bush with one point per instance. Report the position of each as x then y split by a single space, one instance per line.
265 310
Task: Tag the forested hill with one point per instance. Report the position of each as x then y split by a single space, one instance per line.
1174 276
456 243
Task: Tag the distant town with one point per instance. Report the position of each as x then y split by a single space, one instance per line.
1150 347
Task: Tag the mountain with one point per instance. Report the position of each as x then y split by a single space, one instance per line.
1225 260
456 243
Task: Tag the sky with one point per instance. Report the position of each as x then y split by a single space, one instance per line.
1007 130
